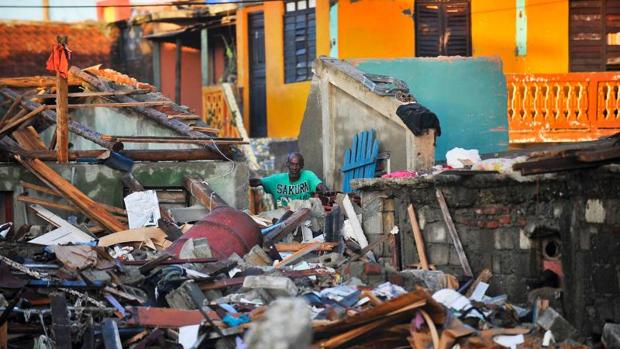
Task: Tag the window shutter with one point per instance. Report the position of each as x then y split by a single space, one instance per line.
299 40
458 38
587 39
428 30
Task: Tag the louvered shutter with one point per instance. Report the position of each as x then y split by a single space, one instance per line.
442 28
457 35
428 32
587 41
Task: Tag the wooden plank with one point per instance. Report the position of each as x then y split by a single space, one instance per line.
140 154
417 235
25 140
46 203
15 122
234 109
11 109
113 105
35 138
62 119
296 246
184 117
205 129
298 255
88 206
93 94
203 193
453 233
58 222
35 81
360 237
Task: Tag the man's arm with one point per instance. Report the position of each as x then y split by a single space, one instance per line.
255 182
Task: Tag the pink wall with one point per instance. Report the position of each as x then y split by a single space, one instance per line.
191 81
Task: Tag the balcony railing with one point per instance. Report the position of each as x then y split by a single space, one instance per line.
562 107
217 112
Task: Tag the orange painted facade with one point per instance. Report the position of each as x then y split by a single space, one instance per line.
385 29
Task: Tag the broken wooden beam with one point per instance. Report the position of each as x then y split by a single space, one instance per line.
62 119
155 115
28 139
172 140
137 154
287 226
112 105
50 116
453 233
17 121
92 94
203 193
35 81
88 206
417 236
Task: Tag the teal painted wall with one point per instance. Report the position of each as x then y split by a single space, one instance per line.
467 94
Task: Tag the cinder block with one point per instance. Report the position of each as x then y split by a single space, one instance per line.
436 232
504 239
439 254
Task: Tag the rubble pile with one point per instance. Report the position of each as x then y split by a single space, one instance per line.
210 287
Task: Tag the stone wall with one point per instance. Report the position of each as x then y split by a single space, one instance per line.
566 223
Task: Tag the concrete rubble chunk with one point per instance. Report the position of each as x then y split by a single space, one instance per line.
552 321
279 330
257 257
611 336
183 297
271 287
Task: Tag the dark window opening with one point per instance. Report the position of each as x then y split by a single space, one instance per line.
299 39
442 28
594 35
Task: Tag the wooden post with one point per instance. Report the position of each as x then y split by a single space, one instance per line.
453 233
417 236
62 117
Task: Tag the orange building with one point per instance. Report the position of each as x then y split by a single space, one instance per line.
278 40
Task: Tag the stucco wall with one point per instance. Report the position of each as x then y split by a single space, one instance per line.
380 29
467 94
104 185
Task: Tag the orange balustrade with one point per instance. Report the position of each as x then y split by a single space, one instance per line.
562 107
216 112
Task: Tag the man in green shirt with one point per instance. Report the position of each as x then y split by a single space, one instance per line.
297 184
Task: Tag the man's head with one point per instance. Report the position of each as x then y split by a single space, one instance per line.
294 163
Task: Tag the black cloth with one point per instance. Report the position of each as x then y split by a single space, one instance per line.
418 118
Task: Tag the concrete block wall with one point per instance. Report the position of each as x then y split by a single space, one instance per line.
506 226
104 184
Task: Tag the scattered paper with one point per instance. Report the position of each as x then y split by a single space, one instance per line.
479 291
142 209
188 335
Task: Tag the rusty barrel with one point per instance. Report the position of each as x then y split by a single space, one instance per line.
228 231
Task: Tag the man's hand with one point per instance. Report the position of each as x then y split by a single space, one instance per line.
255 182
322 188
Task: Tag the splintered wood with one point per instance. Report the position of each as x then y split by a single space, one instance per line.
87 205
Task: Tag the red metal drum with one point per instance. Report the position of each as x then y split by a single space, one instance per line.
228 231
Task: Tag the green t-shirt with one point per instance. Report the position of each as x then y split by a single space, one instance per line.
283 190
